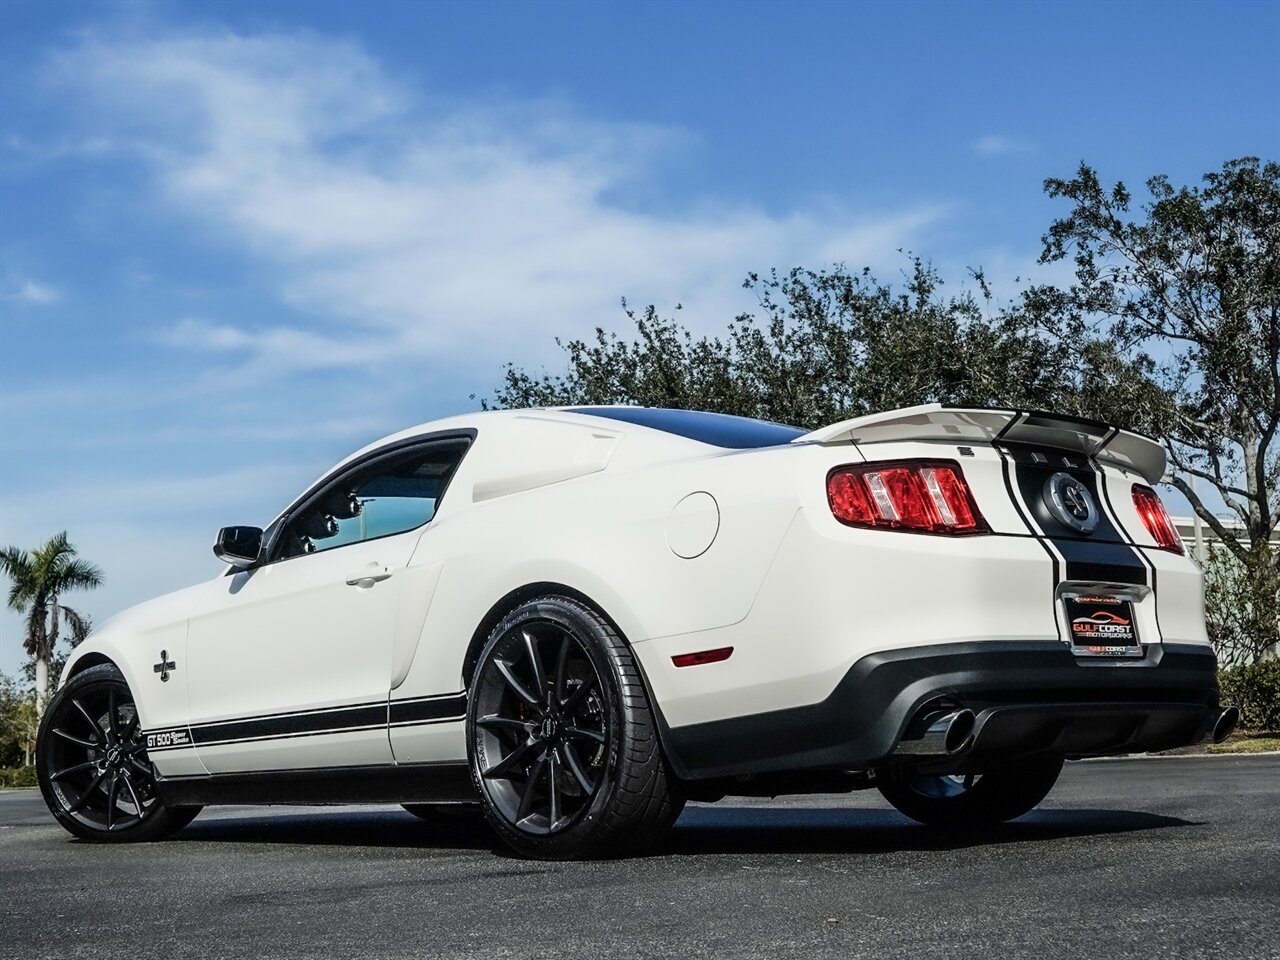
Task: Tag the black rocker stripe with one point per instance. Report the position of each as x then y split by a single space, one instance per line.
291 736
428 710
294 725
298 723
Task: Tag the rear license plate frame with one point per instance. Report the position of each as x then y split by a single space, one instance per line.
1102 625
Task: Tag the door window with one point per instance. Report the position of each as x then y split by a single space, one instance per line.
386 496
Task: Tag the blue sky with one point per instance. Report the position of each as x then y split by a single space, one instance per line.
238 240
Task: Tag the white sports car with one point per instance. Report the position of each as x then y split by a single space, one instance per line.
578 619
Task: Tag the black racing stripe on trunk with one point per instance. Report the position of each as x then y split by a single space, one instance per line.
1104 562
1006 465
1032 476
1104 555
1142 556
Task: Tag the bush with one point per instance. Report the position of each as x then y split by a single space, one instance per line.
18 777
1255 689
1242 603
17 722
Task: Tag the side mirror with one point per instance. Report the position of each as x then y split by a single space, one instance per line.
238 546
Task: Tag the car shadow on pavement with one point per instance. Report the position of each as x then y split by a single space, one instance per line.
701 831
729 830
375 828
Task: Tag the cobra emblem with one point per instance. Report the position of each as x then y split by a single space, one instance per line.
1070 503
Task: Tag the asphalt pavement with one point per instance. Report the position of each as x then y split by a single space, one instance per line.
1142 858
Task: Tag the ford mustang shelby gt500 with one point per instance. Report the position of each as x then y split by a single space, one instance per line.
580 618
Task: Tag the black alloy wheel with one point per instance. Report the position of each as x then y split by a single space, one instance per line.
92 764
544 728
563 744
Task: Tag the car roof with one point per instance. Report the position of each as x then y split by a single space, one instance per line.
666 433
714 429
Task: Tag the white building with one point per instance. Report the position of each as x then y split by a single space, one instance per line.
1197 535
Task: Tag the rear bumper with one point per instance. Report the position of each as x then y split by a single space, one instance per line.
1029 697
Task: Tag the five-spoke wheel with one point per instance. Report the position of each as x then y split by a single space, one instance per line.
563 744
93 766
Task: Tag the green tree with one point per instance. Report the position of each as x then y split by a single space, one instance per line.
822 346
37 582
1240 598
18 723
59 655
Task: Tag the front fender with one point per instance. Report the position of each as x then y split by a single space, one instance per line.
136 642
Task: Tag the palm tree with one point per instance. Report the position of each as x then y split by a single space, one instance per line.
38 581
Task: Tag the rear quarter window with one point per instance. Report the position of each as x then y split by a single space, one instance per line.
717 429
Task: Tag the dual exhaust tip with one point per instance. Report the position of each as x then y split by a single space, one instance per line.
946 735
951 733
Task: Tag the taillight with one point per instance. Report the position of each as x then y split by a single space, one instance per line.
924 496
1156 518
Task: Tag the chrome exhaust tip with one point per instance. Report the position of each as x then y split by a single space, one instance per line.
946 735
1225 725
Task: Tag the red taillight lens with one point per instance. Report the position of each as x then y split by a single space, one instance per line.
1156 518
925 496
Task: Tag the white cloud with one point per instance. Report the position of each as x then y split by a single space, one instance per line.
281 349
403 227
998 145
83 499
34 292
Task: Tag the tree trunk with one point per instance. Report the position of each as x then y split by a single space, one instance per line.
43 654
42 682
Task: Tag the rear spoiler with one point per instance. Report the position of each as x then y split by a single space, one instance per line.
933 421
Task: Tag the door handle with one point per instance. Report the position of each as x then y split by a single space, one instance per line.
373 573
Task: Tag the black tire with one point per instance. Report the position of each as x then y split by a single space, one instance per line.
562 740
960 802
444 812
91 762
